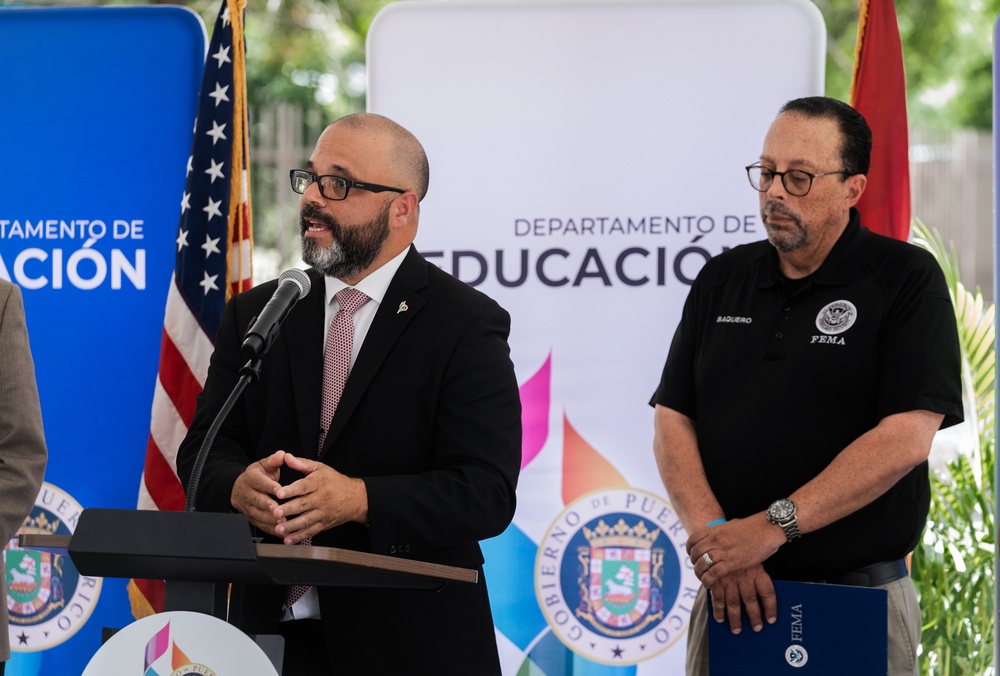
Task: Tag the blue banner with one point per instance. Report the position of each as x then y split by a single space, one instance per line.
96 128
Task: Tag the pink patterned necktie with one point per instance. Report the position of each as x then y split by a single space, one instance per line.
336 367
337 356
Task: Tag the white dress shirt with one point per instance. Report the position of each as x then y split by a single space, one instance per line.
374 286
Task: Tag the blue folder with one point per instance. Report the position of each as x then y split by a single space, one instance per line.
822 630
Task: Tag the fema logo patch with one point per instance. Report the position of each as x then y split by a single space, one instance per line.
836 317
613 579
48 601
796 656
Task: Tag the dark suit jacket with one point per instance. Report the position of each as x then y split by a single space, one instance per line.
429 418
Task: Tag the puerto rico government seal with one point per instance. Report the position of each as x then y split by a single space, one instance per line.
48 601
613 578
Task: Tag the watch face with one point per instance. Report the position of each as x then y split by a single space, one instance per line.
781 510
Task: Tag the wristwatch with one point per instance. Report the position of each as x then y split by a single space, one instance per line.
782 513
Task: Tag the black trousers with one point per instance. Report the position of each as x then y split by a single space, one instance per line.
305 649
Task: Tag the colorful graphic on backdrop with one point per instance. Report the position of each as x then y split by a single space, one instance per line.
601 228
613 585
163 653
47 599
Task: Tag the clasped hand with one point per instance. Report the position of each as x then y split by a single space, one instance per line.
727 559
321 499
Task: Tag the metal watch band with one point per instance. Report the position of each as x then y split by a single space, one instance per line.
791 529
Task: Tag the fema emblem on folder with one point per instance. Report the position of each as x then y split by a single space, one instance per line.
609 579
48 601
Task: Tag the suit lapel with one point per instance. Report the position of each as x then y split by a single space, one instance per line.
304 331
389 323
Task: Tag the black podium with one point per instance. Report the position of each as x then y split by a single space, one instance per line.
198 554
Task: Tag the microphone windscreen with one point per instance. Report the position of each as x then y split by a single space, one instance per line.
298 277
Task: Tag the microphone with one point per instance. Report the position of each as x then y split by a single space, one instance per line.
293 285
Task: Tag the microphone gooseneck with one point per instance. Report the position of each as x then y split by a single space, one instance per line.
293 285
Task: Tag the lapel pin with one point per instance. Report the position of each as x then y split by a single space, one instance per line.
402 307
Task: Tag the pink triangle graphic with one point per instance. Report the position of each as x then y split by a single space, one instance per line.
536 395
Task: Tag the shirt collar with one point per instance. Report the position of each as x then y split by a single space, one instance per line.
840 262
374 285
839 266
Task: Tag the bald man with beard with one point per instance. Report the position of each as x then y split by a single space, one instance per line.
420 458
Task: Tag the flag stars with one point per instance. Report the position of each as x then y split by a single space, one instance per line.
222 56
208 283
219 94
216 132
225 16
211 246
182 240
215 171
185 202
213 208
190 164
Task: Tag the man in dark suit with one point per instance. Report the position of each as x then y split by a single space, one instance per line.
422 454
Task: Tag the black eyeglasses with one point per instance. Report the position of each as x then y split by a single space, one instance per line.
796 181
333 187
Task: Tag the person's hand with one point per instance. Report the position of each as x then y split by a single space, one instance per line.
322 499
750 588
253 493
733 546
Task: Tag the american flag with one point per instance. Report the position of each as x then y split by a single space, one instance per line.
213 249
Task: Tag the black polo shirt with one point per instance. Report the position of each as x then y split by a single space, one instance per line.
781 375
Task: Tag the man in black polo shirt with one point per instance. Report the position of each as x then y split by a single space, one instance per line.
802 390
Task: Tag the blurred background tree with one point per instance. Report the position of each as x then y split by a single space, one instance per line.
947 53
306 65
312 53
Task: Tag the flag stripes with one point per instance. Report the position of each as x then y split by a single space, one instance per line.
213 261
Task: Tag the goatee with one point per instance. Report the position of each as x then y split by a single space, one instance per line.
352 249
784 239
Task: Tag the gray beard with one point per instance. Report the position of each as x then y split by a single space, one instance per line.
352 250
784 241
786 244
328 260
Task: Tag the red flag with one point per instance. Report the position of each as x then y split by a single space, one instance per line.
214 246
878 92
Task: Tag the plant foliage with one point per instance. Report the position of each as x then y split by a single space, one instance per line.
953 567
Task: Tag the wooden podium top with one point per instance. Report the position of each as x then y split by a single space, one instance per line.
290 564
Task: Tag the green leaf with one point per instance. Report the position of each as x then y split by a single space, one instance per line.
953 566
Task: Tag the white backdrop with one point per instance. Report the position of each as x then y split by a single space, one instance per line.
605 142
